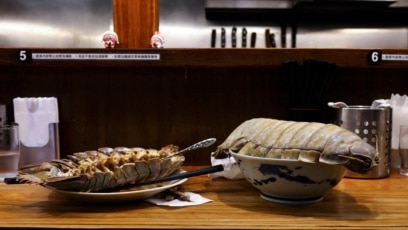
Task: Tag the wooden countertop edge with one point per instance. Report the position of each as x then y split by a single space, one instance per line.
215 57
392 219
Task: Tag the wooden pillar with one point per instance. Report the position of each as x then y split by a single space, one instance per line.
135 21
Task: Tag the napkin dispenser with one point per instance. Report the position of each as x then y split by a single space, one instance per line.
399 104
48 152
39 129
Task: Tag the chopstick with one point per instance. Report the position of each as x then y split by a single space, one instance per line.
11 180
212 169
308 82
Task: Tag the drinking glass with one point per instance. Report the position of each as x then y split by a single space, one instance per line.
403 150
9 151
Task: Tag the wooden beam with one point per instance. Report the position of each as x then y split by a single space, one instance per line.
135 22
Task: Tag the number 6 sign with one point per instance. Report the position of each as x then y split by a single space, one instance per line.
374 57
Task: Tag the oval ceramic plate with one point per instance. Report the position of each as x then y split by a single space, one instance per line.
132 193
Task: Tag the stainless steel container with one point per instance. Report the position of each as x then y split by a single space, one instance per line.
373 125
3 117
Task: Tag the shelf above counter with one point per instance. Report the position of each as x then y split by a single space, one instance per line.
367 13
217 57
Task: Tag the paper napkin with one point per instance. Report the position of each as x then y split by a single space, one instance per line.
195 199
231 169
33 116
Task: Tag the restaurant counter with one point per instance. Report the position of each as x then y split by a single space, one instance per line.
352 204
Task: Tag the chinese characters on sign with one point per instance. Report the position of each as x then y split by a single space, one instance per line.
94 56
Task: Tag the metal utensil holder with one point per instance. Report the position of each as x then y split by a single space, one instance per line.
373 125
48 152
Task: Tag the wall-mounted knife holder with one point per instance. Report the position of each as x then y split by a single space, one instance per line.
48 152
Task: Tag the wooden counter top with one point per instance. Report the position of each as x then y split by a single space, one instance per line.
352 204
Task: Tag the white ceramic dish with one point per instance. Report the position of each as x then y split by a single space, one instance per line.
134 193
289 181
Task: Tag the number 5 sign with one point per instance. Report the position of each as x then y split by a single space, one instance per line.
24 56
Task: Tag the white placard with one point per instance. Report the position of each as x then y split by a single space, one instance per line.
394 57
95 56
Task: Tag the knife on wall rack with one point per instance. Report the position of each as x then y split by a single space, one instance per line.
234 37
253 39
268 38
222 38
244 37
213 38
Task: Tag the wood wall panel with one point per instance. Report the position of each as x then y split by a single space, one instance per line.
183 98
152 107
148 107
135 21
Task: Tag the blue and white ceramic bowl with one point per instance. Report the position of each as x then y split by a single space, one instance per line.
289 181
